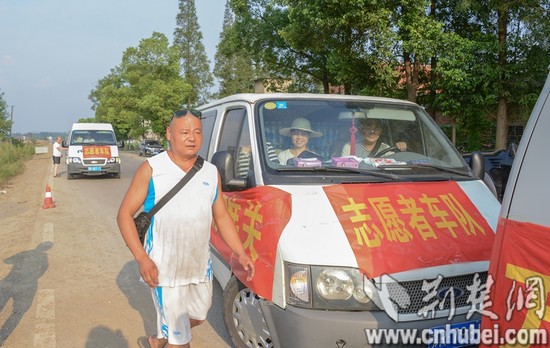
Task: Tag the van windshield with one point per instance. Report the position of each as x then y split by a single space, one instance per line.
354 135
93 137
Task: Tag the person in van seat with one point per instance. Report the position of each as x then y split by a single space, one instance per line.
245 158
371 144
300 132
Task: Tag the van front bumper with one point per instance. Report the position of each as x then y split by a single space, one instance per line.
298 327
77 168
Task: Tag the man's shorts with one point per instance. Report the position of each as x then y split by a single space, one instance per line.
177 305
56 159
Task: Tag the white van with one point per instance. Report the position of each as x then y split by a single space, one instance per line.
92 150
520 265
346 247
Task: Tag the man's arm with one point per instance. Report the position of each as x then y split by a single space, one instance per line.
133 200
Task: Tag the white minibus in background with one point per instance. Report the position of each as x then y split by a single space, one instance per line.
92 150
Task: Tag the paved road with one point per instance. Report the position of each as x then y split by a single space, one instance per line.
67 279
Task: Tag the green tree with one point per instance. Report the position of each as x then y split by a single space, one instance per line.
141 94
194 61
259 27
5 122
233 64
498 73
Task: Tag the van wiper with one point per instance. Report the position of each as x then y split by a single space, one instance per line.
377 174
428 165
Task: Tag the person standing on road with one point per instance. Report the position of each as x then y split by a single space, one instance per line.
175 258
56 155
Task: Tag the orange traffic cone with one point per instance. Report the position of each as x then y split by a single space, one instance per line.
48 200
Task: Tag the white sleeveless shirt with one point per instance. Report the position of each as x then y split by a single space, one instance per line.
179 234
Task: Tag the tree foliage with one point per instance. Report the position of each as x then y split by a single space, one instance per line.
478 63
141 94
234 66
194 61
5 121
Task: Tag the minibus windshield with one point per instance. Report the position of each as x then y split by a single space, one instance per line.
368 135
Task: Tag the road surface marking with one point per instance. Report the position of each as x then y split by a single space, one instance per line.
47 234
44 331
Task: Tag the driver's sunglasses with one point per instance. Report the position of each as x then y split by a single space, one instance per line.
183 112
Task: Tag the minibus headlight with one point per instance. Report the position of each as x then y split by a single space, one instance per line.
114 160
74 160
334 284
335 288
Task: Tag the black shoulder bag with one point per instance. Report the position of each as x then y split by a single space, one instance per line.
143 219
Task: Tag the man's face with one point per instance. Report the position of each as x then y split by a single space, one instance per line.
185 135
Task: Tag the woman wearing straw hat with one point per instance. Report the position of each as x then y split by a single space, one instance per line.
300 132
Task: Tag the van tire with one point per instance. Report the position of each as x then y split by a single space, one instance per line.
70 176
116 175
243 317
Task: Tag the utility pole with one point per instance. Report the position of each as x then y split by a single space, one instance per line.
11 120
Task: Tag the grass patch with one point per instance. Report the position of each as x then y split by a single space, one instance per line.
12 159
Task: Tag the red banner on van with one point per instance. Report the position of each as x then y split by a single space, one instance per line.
519 289
399 227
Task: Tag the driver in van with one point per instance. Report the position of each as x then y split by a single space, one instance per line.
300 132
371 144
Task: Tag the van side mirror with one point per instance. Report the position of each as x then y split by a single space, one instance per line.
223 160
121 144
64 143
477 163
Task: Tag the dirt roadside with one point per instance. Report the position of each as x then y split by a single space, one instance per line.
20 201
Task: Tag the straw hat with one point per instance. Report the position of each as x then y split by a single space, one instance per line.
302 124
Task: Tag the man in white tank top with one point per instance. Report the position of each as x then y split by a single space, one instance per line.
175 258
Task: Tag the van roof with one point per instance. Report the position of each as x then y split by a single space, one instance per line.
92 126
256 97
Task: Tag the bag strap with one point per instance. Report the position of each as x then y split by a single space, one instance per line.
196 167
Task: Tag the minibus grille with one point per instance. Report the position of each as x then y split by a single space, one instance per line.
440 298
95 162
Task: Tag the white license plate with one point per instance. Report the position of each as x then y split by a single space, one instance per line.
455 335
94 169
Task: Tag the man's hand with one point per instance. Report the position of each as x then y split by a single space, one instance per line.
248 265
402 146
148 271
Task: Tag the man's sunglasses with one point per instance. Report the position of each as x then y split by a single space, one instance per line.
183 112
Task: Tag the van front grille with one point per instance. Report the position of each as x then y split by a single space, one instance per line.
95 162
409 297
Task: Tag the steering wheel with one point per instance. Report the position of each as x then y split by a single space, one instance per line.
385 151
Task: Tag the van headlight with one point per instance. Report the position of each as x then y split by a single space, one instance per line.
114 160
335 288
74 160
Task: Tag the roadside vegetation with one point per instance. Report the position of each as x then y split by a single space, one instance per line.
12 159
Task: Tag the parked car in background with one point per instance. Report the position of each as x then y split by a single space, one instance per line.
150 147
497 165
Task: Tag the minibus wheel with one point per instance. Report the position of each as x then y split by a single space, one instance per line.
243 316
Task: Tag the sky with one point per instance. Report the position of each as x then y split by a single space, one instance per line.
52 53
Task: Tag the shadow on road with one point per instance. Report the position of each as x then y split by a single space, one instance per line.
103 337
20 285
138 295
